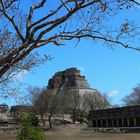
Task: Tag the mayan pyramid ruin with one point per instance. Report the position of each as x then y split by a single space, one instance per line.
70 80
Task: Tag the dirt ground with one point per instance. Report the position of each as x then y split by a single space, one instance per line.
79 132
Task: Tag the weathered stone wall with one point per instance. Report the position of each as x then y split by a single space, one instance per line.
18 109
3 108
129 111
115 117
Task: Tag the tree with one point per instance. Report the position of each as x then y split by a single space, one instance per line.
95 101
53 107
22 31
40 100
81 115
78 105
45 104
134 97
107 101
135 1
83 109
74 100
63 105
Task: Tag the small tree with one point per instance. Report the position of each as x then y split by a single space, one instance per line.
41 105
74 99
83 112
83 116
63 104
45 104
28 129
80 115
95 101
40 100
134 97
53 107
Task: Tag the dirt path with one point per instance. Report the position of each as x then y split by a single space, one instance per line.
67 130
79 132
7 137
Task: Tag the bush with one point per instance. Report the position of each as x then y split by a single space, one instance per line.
28 130
34 120
79 116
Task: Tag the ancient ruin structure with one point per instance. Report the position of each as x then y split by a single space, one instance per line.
115 117
62 82
3 114
70 80
3 108
16 110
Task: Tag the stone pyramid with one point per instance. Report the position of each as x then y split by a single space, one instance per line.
67 79
71 80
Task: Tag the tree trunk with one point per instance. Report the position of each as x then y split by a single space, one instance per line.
63 118
81 118
42 120
73 117
50 123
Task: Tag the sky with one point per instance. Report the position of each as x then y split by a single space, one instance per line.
113 71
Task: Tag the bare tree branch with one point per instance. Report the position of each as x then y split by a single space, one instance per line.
3 10
135 2
17 43
35 7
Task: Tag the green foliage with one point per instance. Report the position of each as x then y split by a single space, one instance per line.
34 120
79 115
29 129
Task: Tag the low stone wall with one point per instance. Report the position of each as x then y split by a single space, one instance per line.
8 130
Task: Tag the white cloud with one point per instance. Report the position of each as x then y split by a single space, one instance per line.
113 93
20 76
81 68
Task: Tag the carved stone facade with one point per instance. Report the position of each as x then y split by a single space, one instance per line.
115 117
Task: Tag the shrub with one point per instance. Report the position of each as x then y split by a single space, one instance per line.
28 129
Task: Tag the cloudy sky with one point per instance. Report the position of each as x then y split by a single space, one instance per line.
113 71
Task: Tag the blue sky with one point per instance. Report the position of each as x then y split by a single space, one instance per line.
113 71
